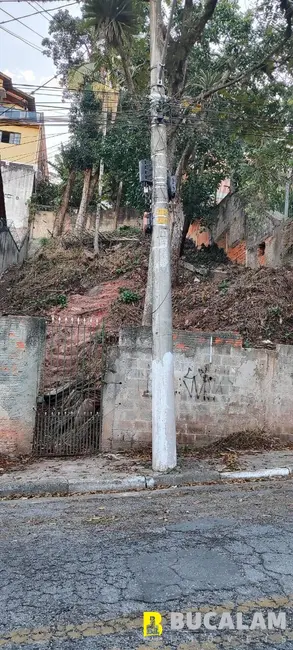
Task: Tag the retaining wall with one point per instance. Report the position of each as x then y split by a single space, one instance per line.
21 353
220 388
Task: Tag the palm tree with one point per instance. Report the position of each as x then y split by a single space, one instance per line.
117 22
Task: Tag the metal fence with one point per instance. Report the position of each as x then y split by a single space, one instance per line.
68 412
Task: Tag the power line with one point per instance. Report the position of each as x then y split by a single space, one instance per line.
20 21
45 10
52 135
39 87
35 47
40 12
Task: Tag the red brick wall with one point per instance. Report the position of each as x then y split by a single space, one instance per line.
198 234
238 253
235 253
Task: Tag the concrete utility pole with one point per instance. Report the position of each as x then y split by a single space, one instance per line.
163 401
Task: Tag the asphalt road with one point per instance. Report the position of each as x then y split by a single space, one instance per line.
77 573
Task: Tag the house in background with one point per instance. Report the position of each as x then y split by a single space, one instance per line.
23 153
268 244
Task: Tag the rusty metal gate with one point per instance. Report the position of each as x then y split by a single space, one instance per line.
68 411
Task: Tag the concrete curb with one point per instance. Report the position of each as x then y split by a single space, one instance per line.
33 488
61 487
263 473
111 485
172 479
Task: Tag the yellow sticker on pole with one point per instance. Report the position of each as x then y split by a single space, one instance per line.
162 220
162 216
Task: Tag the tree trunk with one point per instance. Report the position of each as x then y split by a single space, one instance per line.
93 185
60 216
184 233
147 309
81 217
119 194
98 209
176 239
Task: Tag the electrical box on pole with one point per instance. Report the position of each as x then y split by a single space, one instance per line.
171 186
145 172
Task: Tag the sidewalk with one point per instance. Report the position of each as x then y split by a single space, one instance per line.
123 472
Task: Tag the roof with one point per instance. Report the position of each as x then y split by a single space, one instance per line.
15 95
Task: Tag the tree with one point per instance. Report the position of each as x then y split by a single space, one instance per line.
236 51
70 45
87 140
67 166
127 142
46 193
116 21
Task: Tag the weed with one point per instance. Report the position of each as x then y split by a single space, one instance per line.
129 230
274 311
61 301
44 241
99 336
128 296
54 301
223 286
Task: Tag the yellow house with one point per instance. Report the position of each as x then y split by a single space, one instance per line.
22 131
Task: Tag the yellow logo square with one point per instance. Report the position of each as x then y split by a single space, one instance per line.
152 624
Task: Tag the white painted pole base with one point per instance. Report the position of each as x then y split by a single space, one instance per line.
164 428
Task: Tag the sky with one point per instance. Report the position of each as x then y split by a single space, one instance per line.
29 68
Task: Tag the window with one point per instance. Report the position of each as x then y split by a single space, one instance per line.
9 137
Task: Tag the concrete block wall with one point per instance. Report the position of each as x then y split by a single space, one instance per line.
22 342
10 252
220 388
18 183
42 222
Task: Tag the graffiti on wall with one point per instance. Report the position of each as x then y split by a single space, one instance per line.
203 385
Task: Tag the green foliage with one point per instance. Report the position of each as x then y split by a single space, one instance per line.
53 301
274 311
46 193
127 142
223 287
85 121
117 20
241 131
60 301
128 296
262 177
129 230
70 44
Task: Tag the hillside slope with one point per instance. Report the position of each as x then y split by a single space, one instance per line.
65 279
